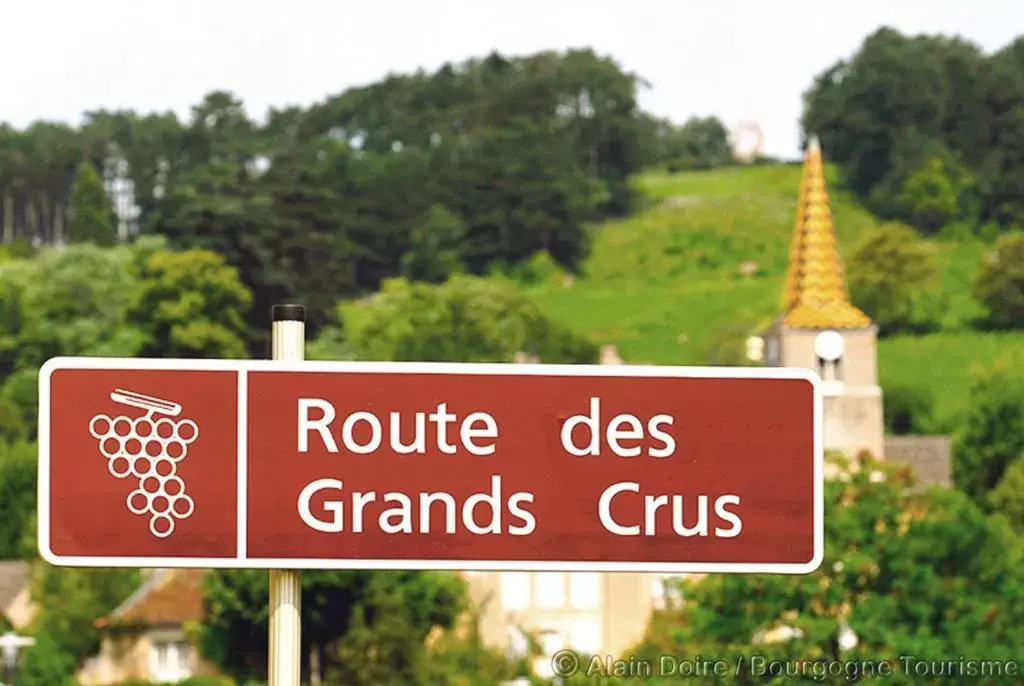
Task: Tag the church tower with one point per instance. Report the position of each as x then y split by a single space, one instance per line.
820 328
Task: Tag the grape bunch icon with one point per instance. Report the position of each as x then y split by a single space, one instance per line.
148 448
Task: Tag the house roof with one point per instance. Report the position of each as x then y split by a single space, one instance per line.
815 294
14 577
168 597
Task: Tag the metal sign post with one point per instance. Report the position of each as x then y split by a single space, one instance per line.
287 343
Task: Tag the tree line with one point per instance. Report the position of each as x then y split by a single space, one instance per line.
473 167
927 129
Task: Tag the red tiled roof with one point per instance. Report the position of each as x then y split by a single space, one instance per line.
169 597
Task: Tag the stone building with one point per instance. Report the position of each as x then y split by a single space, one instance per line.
146 639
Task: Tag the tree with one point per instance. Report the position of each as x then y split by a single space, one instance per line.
1002 168
92 216
361 624
992 434
588 102
192 305
1007 498
434 249
700 143
73 301
933 194
861 107
20 394
323 203
46 664
925 574
925 129
466 319
70 302
892 277
999 284
12 421
71 599
121 301
17 500
519 190
908 410
219 208
381 645
459 657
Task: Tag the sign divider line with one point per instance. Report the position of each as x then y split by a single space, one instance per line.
243 464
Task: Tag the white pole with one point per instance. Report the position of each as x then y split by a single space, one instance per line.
287 343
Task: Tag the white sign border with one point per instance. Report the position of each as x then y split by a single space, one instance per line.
243 561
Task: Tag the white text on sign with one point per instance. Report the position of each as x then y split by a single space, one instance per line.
477 434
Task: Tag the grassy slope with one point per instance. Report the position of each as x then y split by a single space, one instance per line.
660 284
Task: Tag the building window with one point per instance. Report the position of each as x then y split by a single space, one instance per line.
586 637
169 661
515 590
585 590
550 589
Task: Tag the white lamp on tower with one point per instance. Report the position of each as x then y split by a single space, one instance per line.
829 347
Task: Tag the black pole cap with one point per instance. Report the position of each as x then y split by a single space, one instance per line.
288 313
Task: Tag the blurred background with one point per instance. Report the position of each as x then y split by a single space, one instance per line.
671 183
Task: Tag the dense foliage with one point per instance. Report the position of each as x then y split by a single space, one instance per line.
387 210
46 664
364 627
466 319
893 278
999 284
146 299
991 438
481 163
925 574
91 215
927 129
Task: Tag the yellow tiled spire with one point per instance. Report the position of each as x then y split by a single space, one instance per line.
815 295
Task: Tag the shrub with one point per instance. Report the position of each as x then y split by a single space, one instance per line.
908 410
999 285
1007 498
992 435
46 664
893 278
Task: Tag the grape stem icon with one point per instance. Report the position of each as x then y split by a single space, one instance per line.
149 448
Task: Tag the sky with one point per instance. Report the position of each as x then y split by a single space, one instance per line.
739 60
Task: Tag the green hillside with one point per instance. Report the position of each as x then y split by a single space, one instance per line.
666 285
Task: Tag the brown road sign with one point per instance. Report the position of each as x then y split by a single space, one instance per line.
330 465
